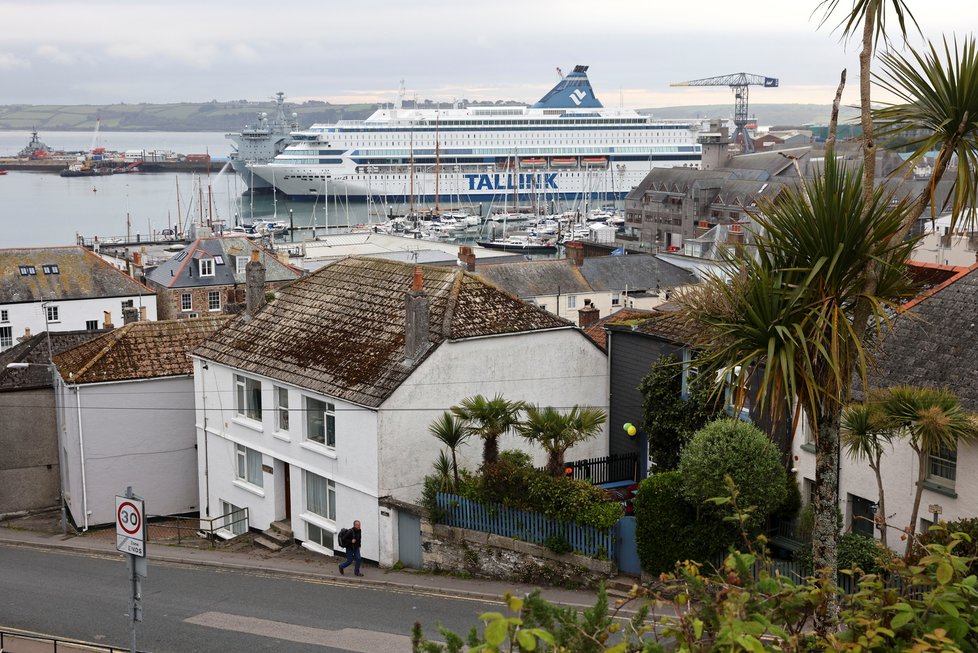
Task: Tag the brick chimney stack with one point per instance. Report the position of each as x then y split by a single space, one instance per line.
254 285
107 320
416 310
588 315
130 314
466 258
575 251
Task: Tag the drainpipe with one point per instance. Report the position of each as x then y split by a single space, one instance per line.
207 470
81 451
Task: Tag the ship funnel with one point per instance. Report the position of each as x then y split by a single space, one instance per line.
572 92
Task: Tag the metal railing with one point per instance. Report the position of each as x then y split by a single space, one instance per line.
609 469
17 642
181 528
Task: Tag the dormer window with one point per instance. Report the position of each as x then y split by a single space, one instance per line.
206 267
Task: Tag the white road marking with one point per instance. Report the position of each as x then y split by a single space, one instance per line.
349 639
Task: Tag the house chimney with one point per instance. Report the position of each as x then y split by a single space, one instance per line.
107 320
588 315
254 285
142 313
416 309
466 258
575 252
130 314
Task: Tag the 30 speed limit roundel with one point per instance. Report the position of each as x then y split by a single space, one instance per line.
129 518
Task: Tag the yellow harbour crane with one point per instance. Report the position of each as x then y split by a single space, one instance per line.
738 83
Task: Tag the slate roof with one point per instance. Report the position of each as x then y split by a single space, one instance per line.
183 271
933 342
634 272
79 274
340 331
667 325
535 278
597 333
139 350
35 350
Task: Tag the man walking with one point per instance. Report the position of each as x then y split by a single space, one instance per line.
352 544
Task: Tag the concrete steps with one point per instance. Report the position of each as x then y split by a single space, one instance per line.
276 537
619 588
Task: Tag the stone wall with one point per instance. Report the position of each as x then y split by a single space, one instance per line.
486 555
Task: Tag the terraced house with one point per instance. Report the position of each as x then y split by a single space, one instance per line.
314 410
64 289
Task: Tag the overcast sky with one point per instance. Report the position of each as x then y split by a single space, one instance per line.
107 51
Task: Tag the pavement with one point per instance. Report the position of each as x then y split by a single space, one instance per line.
41 531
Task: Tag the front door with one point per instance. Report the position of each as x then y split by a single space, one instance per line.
288 493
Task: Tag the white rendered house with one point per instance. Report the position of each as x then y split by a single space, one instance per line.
318 406
64 289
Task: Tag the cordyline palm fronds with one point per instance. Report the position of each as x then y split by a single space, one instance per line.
557 432
865 432
934 420
937 109
786 315
489 419
452 432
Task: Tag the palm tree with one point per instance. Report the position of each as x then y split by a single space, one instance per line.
934 421
938 110
489 419
452 432
869 16
557 432
786 316
865 431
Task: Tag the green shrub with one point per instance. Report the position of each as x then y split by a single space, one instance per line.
730 447
669 530
857 550
558 544
942 536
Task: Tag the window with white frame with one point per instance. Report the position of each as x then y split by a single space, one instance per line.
91 325
247 397
186 302
249 465
281 396
320 422
4 316
942 466
52 313
320 495
320 536
206 267
235 518
571 301
616 299
240 262
6 337
214 300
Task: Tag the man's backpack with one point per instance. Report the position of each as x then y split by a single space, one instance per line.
345 536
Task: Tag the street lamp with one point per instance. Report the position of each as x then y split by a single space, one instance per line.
57 421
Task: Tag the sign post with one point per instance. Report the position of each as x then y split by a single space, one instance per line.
130 538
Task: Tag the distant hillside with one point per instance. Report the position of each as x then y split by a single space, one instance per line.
232 116
782 115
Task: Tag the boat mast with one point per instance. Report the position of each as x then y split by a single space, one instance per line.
179 214
411 171
437 162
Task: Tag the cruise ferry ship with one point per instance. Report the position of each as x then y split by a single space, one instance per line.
567 145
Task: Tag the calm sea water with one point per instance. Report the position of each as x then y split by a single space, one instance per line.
40 209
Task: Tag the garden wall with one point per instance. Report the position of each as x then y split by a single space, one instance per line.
485 555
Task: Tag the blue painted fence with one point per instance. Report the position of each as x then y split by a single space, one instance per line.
527 526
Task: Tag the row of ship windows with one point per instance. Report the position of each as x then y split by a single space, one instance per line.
498 151
496 125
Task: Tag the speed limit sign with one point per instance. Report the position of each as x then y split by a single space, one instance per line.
130 529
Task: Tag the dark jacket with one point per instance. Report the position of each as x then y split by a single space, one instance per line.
356 539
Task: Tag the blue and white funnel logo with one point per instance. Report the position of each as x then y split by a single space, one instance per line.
578 96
